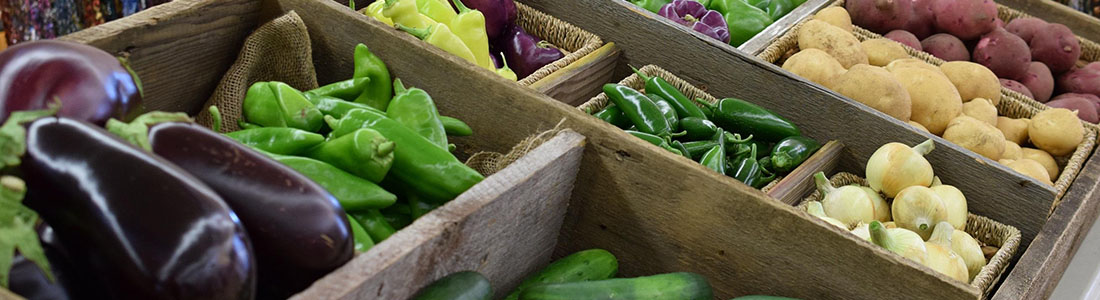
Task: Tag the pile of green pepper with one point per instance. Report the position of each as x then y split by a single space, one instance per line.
710 134
379 147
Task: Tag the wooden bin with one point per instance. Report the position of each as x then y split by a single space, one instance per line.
788 189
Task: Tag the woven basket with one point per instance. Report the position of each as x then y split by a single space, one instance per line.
1012 104
574 42
986 231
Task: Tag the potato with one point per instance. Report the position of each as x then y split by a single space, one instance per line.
946 47
814 64
998 23
1012 151
1039 81
1090 97
1003 53
918 126
1025 28
921 23
973 80
1055 46
965 19
982 138
1016 86
1029 168
879 15
935 100
1043 158
981 109
881 52
840 44
836 16
1083 81
1015 130
905 38
887 96
911 63
1086 109
1057 131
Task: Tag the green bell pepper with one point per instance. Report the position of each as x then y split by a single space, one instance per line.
744 20
276 104
775 8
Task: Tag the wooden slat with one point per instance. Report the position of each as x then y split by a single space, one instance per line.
761 41
796 185
1082 25
574 83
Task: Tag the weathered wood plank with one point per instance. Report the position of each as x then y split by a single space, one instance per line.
1083 25
997 192
574 83
761 41
796 185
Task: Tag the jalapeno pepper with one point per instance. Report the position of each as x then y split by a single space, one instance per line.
683 149
379 90
346 90
415 109
697 148
352 192
697 128
374 224
766 164
613 115
666 110
790 152
428 169
278 140
365 153
741 116
715 158
659 86
362 239
455 127
440 35
641 111
747 169
655 140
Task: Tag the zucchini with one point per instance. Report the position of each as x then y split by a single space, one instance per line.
591 264
465 285
671 286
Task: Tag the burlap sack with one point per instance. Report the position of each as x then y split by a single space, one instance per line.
488 163
277 51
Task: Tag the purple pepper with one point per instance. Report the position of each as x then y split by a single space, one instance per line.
694 14
499 15
526 53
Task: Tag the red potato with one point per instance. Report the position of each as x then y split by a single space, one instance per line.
1003 53
1086 109
921 22
1084 81
1025 28
999 23
1039 81
1016 86
1090 97
965 19
946 47
905 38
1056 46
879 15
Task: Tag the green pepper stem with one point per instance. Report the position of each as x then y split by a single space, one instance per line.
331 121
420 33
706 104
504 61
461 6
640 74
398 86
389 3
543 44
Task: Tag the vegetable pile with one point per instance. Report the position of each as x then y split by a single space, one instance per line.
924 222
711 135
482 32
161 207
1029 55
729 21
957 100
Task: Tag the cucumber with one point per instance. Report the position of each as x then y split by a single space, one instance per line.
591 264
465 285
671 286
763 297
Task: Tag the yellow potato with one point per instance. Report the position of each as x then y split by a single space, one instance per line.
881 51
840 44
911 63
1012 151
973 81
978 136
935 100
836 16
1015 130
918 126
1029 168
815 65
1057 131
887 96
981 109
1044 159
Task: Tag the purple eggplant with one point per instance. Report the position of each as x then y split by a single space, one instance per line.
298 230
28 281
499 15
693 14
526 53
92 85
138 226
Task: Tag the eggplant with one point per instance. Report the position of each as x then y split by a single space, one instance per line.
28 281
138 226
499 14
91 84
526 53
298 230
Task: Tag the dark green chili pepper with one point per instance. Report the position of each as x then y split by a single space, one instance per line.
365 153
790 152
379 90
683 150
455 127
697 128
415 109
276 104
715 158
747 168
362 239
346 90
666 110
424 167
418 208
278 140
375 224
353 193
766 165
614 115
398 221
741 116
659 86
697 148
336 107
655 140
639 109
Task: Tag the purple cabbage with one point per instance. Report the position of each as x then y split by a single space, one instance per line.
695 15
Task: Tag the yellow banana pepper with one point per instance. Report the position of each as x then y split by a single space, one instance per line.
505 71
469 25
374 10
441 36
403 12
436 10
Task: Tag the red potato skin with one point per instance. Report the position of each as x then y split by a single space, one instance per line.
1057 47
1025 28
1016 86
1090 97
905 38
965 19
946 47
999 23
879 15
1086 109
1003 53
921 22
1039 81
1084 81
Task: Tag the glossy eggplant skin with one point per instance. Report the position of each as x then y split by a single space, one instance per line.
28 281
91 84
138 227
298 230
